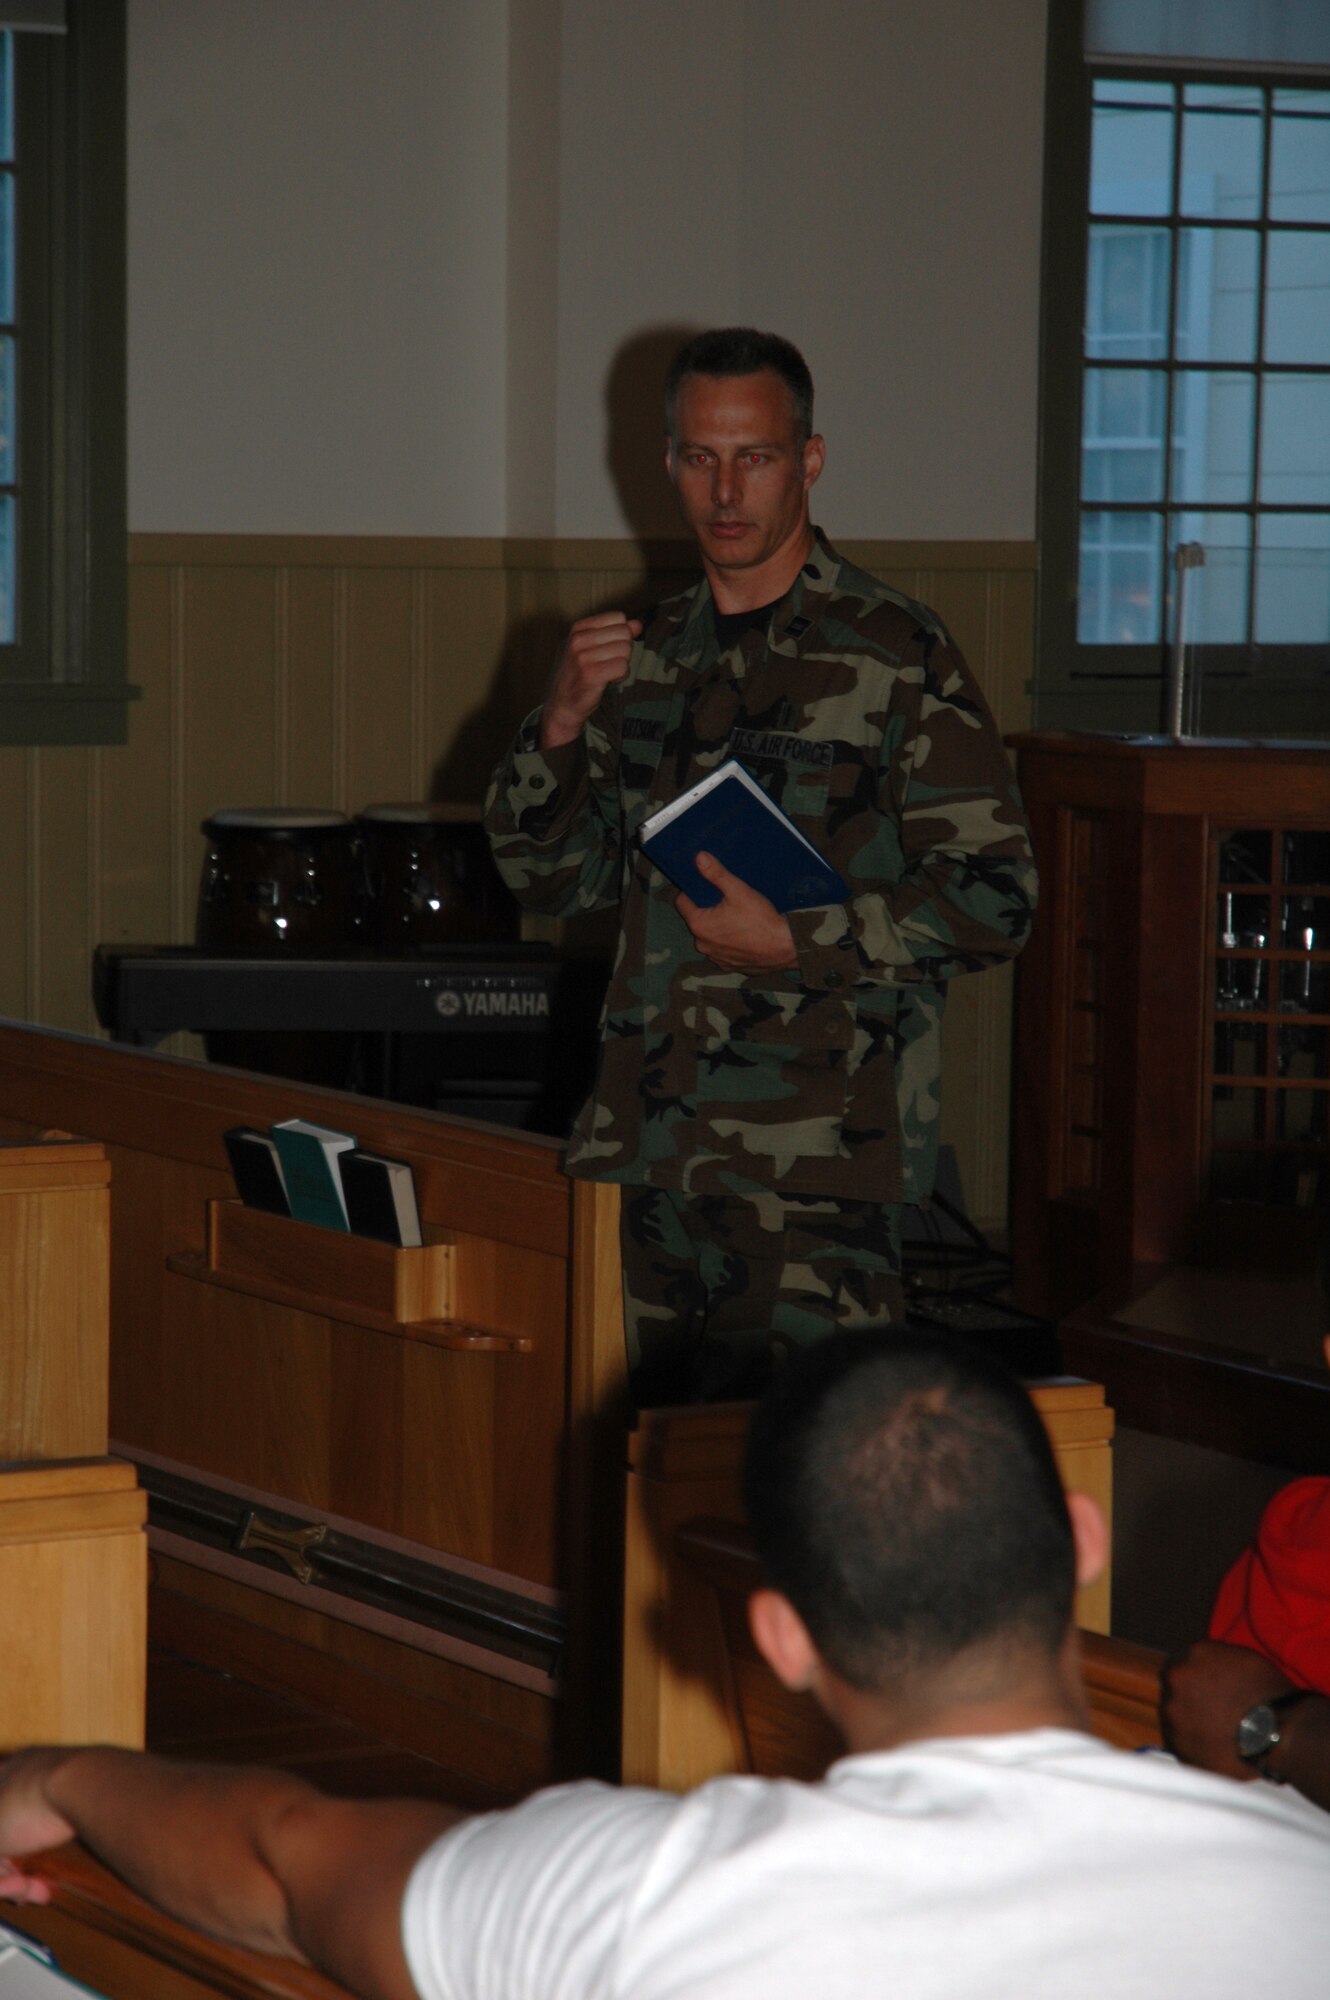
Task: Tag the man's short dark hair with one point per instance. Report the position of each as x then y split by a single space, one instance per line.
904 1496
742 350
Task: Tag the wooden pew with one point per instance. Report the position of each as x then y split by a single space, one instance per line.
284 1398
106 1936
73 1555
698 1699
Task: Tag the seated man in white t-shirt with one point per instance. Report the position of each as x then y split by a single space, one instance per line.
974 1842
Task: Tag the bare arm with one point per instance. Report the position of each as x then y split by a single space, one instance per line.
1207 1694
256 1858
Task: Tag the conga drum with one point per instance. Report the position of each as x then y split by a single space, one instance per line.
430 880
280 882
278 879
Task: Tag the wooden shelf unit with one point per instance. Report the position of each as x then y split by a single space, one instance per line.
1267 1075
352 1279
1127 1145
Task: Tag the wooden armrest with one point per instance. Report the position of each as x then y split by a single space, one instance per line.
1123 1687
104 1934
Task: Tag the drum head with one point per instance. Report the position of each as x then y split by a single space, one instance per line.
274 820
422 815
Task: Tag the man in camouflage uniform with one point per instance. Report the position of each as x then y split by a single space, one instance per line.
768 1084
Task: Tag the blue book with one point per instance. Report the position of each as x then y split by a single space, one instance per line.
309 1155
729 815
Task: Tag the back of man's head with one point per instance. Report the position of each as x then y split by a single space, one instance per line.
904 1497
742 350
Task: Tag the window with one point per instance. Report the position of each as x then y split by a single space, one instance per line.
1185 474
62 342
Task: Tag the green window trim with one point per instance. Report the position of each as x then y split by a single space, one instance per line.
64 680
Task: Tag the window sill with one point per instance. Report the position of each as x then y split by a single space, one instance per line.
37 712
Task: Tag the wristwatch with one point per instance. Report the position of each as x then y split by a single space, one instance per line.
1259 1730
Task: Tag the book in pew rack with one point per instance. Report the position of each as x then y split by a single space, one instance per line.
728 814
256 1169
309 1155
381 1199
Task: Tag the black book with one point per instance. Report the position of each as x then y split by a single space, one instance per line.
381 1199
256 1169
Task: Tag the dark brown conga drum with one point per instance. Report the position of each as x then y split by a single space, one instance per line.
280 882
430 881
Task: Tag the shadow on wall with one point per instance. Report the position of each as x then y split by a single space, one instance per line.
634 456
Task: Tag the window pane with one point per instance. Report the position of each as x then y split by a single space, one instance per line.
1214 422
1297 303
1129 90
1131 161
1300 100
6 97
1295 440
1126 307
1216 313
1293 580
1120 595
1223 96
1221 163
7 249
1300 160
1123 457
1217 592
8 411
1240 31
8 587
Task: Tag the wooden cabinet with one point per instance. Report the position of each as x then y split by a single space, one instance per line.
1173 1023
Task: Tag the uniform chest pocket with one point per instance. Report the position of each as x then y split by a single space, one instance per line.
793 770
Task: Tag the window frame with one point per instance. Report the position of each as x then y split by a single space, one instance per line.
1270 691
64 681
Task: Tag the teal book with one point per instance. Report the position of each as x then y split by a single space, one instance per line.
309 1155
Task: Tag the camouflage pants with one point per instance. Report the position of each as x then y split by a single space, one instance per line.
717 1286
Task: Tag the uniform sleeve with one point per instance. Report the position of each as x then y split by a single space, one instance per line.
529 1904
554 822
963 896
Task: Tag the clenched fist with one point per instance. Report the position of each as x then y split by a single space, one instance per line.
595 653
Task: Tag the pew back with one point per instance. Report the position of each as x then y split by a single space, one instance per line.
698 1699
471 1454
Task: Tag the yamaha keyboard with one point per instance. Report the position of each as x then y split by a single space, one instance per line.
482 1022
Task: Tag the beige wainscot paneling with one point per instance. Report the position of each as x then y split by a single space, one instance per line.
336 671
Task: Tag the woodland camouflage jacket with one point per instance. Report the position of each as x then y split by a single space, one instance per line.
856 712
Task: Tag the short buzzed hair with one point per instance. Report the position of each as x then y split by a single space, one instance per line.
904 1496
742 350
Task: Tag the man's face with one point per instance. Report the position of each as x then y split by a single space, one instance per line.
742 478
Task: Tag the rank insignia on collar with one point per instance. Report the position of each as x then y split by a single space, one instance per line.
796 628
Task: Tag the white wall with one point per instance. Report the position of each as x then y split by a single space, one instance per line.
863 175
393 262
317 309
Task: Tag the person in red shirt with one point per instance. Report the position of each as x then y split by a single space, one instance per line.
1253 1699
